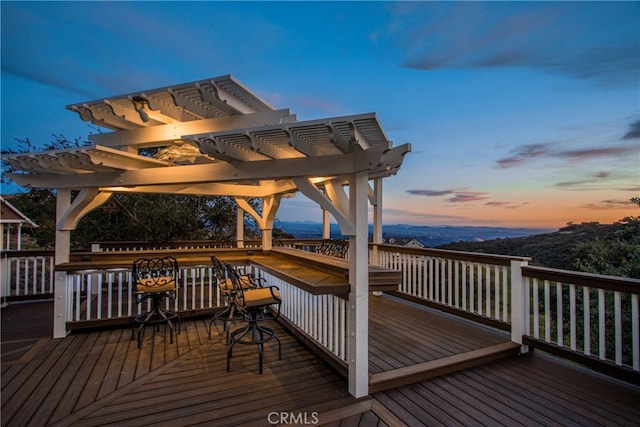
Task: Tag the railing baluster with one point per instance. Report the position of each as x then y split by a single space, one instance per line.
99 294
505 294
601 325
586 307
559 318
536 310
618 327
635 333
547 311
572 317
487 283
480 287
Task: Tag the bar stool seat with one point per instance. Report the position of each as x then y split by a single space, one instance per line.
253 304
156 280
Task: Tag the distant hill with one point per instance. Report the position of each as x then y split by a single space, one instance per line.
591 247
612 249
430 236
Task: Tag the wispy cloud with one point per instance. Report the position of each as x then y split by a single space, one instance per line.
589 153
528 152
468 196
634 131
457 196
507 205
497 204
430 193
609 204
523 154
561 38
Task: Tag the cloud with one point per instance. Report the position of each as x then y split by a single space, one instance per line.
609 204
523 154
582 40
467 196
430 193
458 195
595 177
507 205
589 153
634 131
527 152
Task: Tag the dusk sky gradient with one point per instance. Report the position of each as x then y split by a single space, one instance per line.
519 113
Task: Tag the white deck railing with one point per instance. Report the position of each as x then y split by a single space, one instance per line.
24 274
321 317
583 314
108 294
478 284
593 315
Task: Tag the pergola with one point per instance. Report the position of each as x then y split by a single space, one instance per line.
216 137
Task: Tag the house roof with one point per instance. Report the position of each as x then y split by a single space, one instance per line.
9 214
211 137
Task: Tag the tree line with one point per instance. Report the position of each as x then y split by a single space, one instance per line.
154 218
591 247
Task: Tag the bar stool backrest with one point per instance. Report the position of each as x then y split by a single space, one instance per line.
159 274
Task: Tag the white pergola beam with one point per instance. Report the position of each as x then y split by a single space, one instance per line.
198 173
152 136
307 188
85 201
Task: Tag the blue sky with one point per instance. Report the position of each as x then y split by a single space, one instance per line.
519 113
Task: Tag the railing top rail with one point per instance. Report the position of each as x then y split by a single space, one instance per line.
26 253
463 256
613 283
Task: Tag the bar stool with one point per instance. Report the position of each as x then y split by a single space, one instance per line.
155 279
253 304
230 312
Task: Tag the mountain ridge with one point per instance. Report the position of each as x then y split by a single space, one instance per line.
429 236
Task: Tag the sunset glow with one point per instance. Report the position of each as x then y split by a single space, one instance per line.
520 114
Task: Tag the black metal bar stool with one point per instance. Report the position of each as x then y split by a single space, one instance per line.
253 304
230 313
155 279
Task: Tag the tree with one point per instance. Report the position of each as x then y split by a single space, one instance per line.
616 253
158 218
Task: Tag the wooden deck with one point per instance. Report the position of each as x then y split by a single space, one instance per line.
102 378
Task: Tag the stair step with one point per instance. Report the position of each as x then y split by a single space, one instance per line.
435 368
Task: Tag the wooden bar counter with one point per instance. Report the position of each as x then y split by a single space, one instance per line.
314 273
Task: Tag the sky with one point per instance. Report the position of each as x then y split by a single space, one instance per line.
520 114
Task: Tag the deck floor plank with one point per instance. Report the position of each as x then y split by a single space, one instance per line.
116 362
73 380
37 382
521 391
612 403
101 377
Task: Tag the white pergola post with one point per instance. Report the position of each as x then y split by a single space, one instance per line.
377 219
518 304
240 227
358 313
270 205
326 224
62 251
